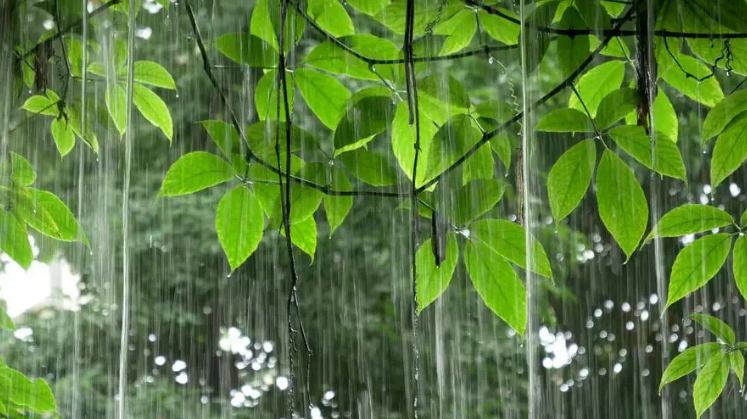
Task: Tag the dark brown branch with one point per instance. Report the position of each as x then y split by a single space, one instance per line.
557 89
250 155
48 42
616 31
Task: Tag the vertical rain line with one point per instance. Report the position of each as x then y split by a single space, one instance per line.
524 215
124 338
412 101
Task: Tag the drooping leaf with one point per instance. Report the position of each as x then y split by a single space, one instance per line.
708 92
6 323
502 146
565 120
710 382
41 105
84 132
116 103
615 106
476 198
366 117
433 280
690 219
266 96
720 329
370 167
667 158
730 150
498 28
508 240
403 141
688 361
244 48
67 225
22 171
152 73
35 396
63 136
441 96
194 172
723 113
239 222
35 214
736 360
696 264
325 95
450 143
14 240
498 285
303 236
596 84
622 203
740 265
570 177
572 51
153 108
459 31
331 16
337 207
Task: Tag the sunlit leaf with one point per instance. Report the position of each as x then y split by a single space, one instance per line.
688 361
508 240
634 140
325 95
710 382
498 285
696 264
433 280
194 172
570 177
622 203
596 84
730 150
239 222
720 329
565 120
690 219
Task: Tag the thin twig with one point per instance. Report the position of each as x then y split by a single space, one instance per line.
557 89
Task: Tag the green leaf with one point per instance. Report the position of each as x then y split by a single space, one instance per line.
596 84
476 198
85 133
708 92
710 382
433 280
403 141
622 203
736 360
572 51
565 120
690 219
740 265
665 118
75 50
331 16
152 73
498 285
22 171
304 201
459 31
264 24
723 113
480 165
730 150
369 167
6 323
325 95
116 104
450 143
570 177
369 7
35 214
365 118
266 94
63 136
497 110
194 172
441 96
616 105
394 15
696 264
337 207
688 361
508 240
153 109
67 226
330 57
634 140
244 48
14 240
303 236
498 28
224 135
501 144
720 329
41 105
17 389
239 222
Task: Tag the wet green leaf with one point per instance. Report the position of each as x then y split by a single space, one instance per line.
331 16
303 236
116 104
330 57
708 92
239 222
710 382
22 171
565 120
364 119
41 105
572 51
508 239
730 150
596 84
224 136
325 95
622 203
615 106
194 172
459 31
153 109
152 73
690 219
740 265
723 113
403 141
720 329
244 48
17 389
14 240
433 280
736 360
369 7
479 165
450 143
498 285
369 167
688 361
634 141
35 214
696 264
570 177
441 96
337 207
476 198
63 136
67 225
266 94
500 29
6 323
